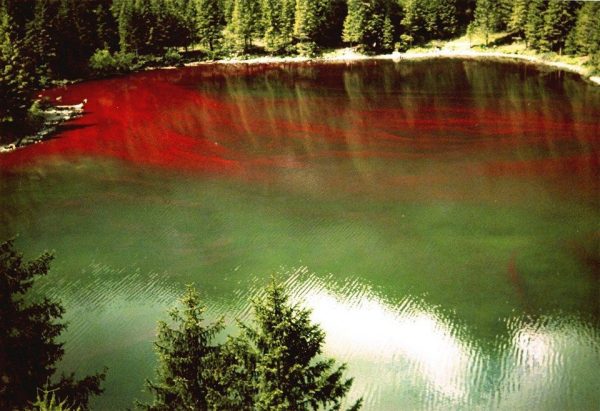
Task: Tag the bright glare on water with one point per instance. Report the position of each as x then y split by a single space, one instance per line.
440 218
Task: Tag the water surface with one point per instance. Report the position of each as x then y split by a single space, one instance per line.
441 218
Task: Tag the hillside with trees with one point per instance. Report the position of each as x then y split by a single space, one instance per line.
42 41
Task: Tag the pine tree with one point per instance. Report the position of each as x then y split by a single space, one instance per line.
518 17
106 28
244 23
210 22
15 81
354 22
288 15
127 42
387 38
275 364
503 14
559 19
184 375
585 35
29 351
535 22
187 30
486 17
306 23
41 50
413 21
428 19
441 18
275 37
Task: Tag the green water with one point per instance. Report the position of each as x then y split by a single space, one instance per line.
464 277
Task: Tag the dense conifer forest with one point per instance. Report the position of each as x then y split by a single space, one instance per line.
45 40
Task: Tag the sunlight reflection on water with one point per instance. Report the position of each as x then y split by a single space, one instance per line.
413 354
402 355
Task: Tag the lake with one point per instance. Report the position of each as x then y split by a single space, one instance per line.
441 218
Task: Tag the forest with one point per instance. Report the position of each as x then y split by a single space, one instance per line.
44 41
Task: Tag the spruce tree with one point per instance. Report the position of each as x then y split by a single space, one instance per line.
187 30
184 375
245 23
106 27
209 22
413 20
503 14
29 328
67 32
287 344
15 81
369 24
313 24
306 24
273 23
354 22
518 17
559 19
276 363
331 24
39 44
441 18
585 35
486 17
161 26
76 37
387 37
126 29
288 15
535 22
464 13
428 19
146 31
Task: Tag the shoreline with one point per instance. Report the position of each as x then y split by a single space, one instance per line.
584 72
54 117
349 55
57 115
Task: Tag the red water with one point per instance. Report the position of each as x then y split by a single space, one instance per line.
212 119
